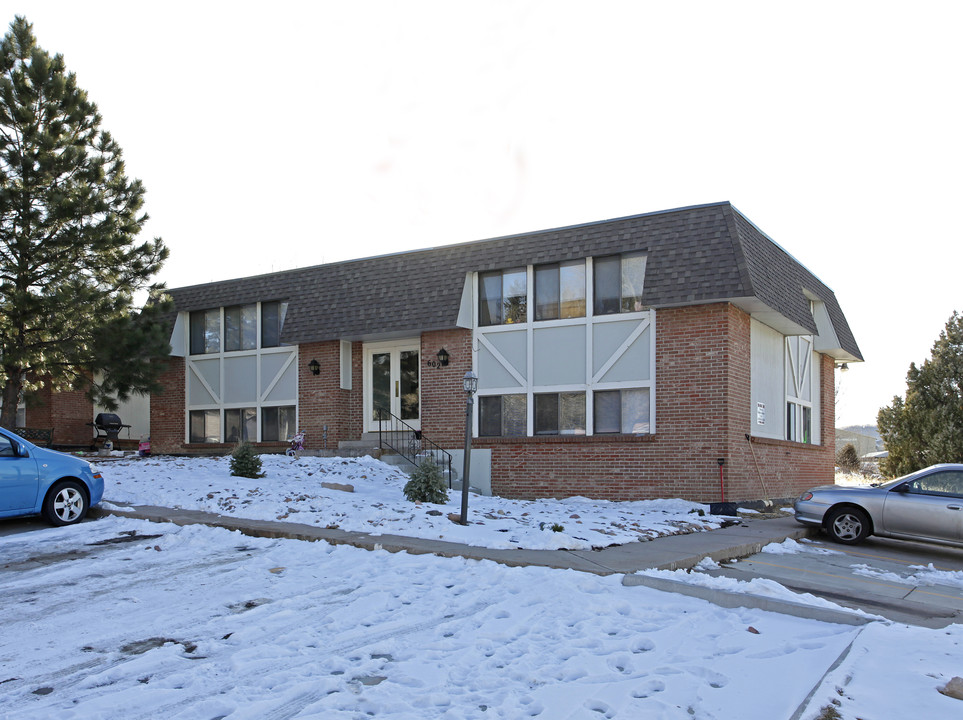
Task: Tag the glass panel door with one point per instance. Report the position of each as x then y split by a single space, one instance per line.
380 385
409 400
393 383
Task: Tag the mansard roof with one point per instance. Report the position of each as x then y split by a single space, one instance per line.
695 255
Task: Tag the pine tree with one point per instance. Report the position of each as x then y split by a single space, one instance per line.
245 462
426 484
69 217
927 426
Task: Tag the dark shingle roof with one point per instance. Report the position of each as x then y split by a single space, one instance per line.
698 254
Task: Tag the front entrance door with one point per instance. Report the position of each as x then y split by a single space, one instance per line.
392 373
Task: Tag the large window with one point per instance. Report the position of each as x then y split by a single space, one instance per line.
272 318
277 423
240 328
560 413
205 426
800 382
621 411
560 291
240 424
205 331
617 283
503 297
503 415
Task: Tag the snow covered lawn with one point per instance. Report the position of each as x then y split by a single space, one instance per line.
122 618
292 490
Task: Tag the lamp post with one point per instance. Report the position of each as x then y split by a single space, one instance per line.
470 383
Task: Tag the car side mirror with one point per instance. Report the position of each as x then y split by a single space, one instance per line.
904 488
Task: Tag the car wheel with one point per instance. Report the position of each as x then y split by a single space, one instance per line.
848 525
66 503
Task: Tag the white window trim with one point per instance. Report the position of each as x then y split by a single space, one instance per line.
795 384
646 319
260 402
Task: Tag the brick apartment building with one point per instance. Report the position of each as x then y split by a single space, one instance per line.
620 359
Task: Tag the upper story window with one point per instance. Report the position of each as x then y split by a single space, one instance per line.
560 290
240 328
503 297
205 331
618 282
272 318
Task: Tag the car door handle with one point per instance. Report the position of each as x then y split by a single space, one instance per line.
954 507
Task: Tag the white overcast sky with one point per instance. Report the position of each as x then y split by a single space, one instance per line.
286 134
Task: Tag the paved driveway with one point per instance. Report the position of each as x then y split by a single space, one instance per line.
15 526
908 582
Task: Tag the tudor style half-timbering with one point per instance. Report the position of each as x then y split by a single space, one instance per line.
619 359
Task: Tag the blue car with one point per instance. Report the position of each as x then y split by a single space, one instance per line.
35 480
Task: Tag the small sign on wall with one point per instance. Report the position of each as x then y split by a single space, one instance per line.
760 413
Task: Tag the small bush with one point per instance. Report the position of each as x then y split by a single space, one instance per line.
245 462
426 484
847 458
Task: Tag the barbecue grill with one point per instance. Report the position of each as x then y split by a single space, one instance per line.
108 426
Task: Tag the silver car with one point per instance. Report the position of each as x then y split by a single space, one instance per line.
925 505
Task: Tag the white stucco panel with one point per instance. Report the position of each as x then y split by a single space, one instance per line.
767 387
503 359
279 377
240 379
622 351
204 382
559 354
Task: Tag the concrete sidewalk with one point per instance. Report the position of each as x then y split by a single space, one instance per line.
672 552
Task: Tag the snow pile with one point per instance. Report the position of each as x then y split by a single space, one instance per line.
292 491
918 575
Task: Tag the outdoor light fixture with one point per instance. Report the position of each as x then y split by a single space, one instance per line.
844 367
470 383
315 367
443 357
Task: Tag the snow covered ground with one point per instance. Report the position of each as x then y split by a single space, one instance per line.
292 490
120 618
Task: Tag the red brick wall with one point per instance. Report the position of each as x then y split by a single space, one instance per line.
322 402
168 410
68 413
702 413
442 391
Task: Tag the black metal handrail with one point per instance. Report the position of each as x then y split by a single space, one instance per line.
411 444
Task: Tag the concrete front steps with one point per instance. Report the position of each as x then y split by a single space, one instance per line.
368 445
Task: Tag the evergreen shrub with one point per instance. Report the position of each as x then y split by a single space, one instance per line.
245 462
426 484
